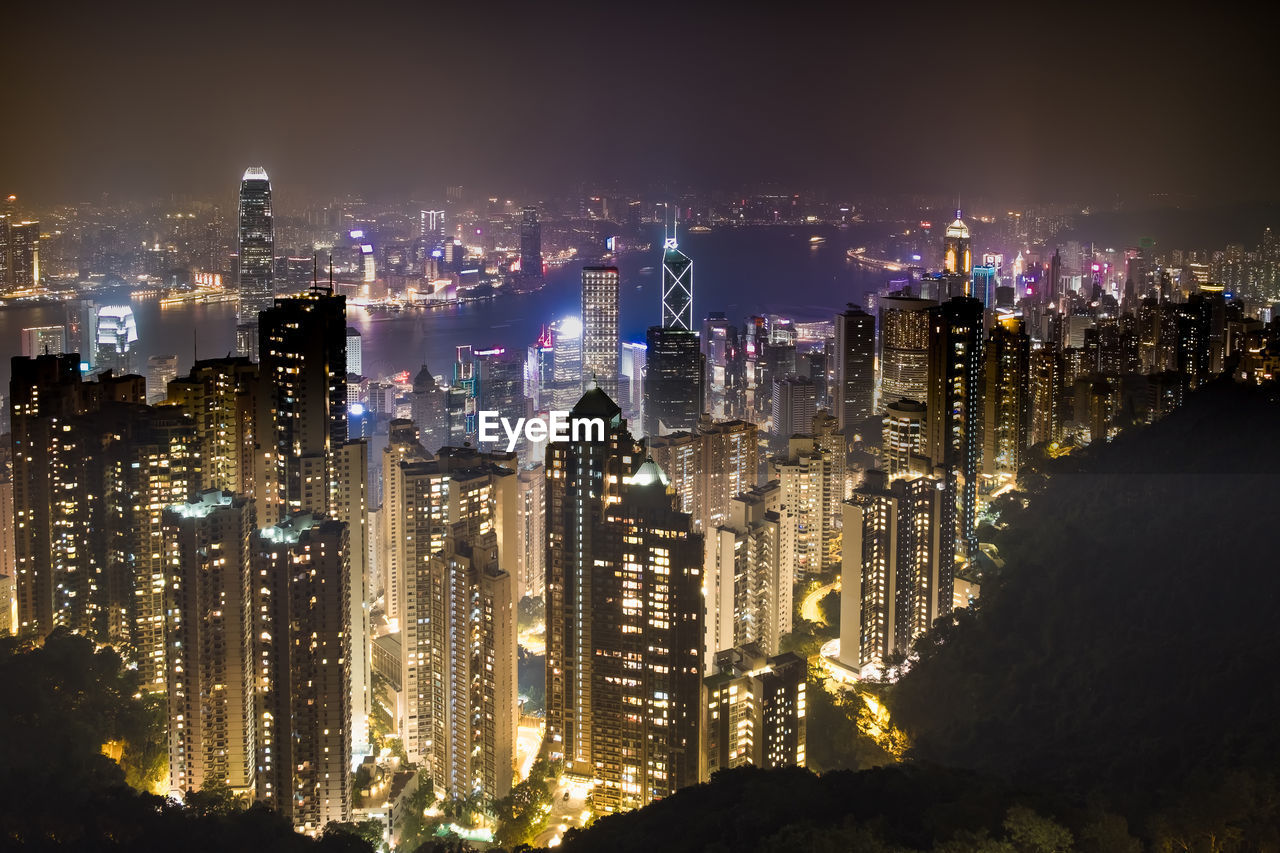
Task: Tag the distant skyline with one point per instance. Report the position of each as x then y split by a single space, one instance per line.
144 99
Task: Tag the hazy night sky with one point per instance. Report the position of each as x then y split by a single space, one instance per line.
405 98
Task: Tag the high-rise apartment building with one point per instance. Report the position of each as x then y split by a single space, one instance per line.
582 478
898 566
811 479
904 432
221 398
209 666
1006 399
300 605
755 711
466 641
255 245
1047 405
600 303
954 425
531 531
747 583
855 368
302 415
646 646
44 340
709 467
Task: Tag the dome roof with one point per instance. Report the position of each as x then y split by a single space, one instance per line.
958 228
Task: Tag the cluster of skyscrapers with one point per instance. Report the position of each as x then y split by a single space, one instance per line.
230 532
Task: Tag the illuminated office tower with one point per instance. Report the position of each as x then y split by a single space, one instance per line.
566 364
1006 399
355 352
904 348
209 668
755 711
44 340
957 258
855 367
954 427
146 462
673 391
531 531
161 370
468 644
898 569
427 405
221 397
794 405
302 669
247 340
117 334
1047 407
51 496
22 257
500 388
302 420
352 509
539 371
582 478
726 379
631 381
8 560
746 582
677 287
600 328
646 639
985 280
459 485
904 431
811 483
255 245
530 249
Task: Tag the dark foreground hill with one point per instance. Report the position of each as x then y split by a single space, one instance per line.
1115 690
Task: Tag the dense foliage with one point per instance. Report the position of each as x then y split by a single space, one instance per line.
1126 653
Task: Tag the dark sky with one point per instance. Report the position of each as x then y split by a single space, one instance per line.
401 98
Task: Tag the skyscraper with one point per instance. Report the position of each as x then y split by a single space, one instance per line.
957 257
855 355
302 669
221 398
954 425
581 479
600 301
904 348
117 334
566 364
747 582
904 433
794 405
677 287
755 710
1047 415
646 636
673 392
466 638
898 566
530 250
726 379
209 667
255 245
811 478
302 420
1006 399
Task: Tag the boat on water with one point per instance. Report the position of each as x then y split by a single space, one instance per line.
700 229
815 240
646 270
